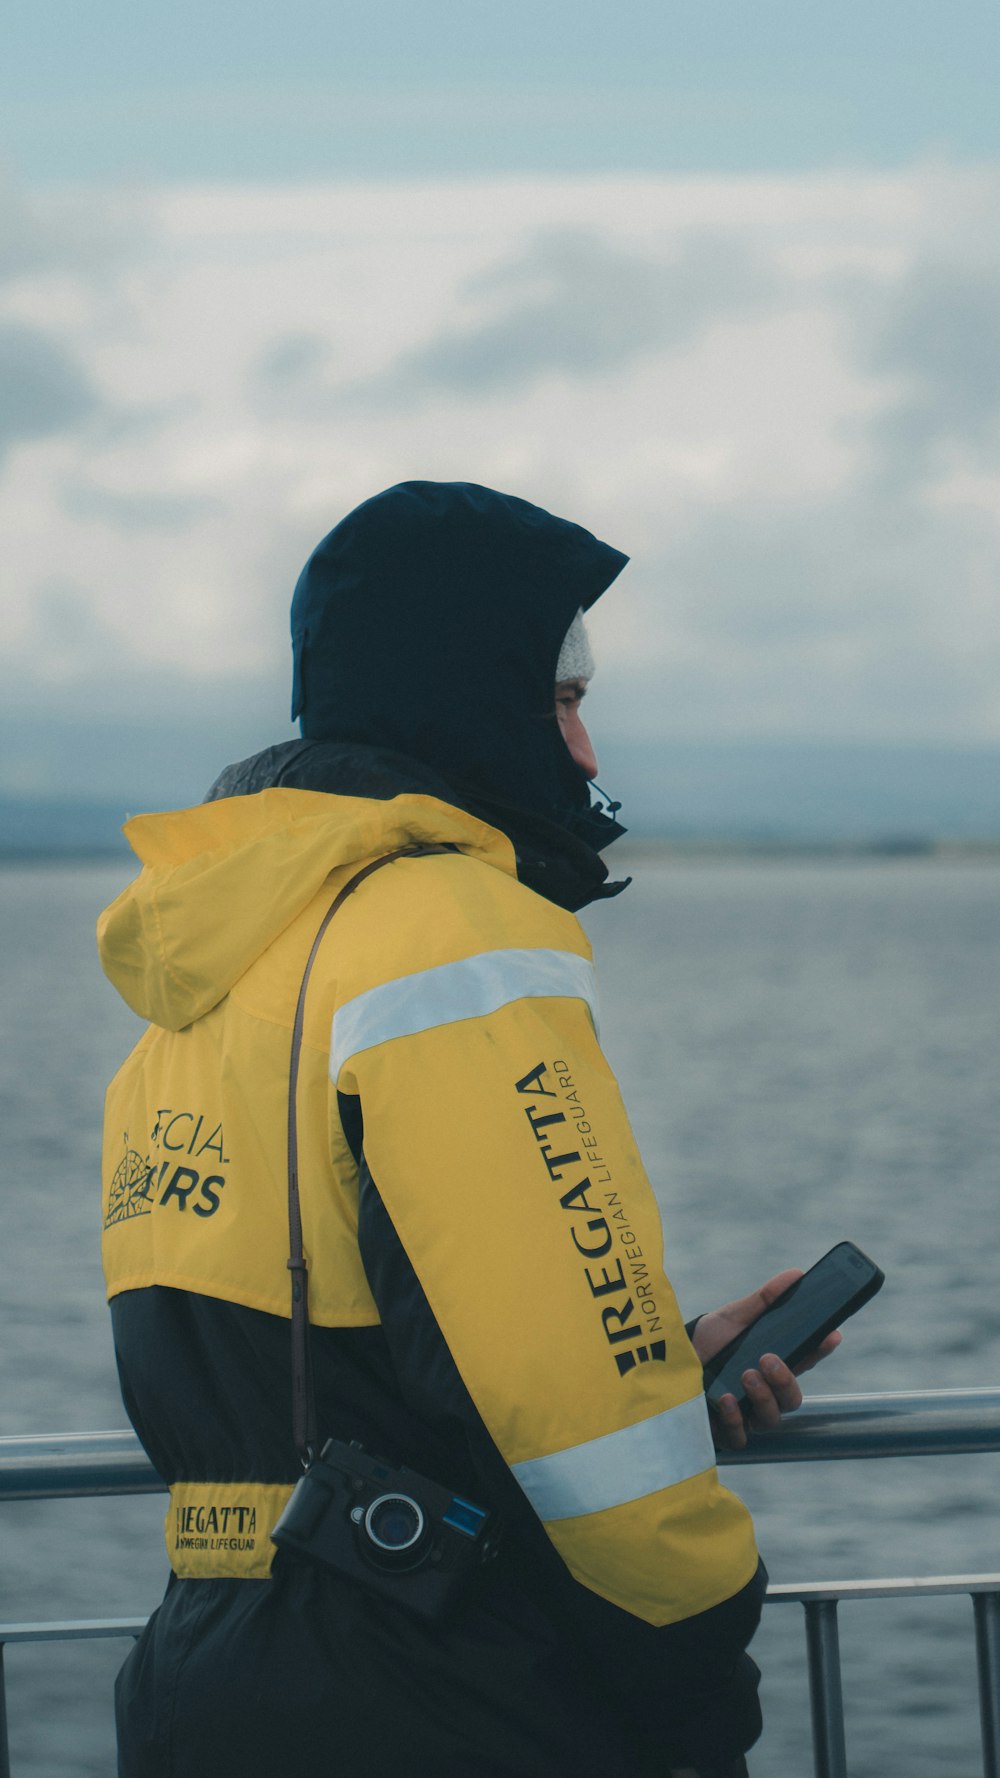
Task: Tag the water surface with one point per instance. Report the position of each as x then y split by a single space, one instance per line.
808 1052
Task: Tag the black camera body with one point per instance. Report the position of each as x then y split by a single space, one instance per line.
391 1530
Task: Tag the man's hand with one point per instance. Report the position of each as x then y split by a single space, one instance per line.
772 1390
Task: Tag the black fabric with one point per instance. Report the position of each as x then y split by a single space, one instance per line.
556 863
536 1677
249 1679
207 1386
697 1686
238 1679
430 621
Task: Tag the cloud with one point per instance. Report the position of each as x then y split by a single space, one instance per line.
293 378
60 258
294 358
45 389
25 243
149 510
64 641
575 304
84 232
776 395
940 344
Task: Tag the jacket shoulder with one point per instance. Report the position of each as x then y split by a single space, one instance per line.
420 913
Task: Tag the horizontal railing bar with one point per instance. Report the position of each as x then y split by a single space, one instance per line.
778 1593
908 1423
903 1586
57 1465
73 1629
903 1423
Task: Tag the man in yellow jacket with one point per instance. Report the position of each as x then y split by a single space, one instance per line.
487 1303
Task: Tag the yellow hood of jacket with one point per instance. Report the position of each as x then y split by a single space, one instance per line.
183 933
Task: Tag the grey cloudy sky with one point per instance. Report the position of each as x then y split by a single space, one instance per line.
736 312
575 304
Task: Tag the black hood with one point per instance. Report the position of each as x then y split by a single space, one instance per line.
429 622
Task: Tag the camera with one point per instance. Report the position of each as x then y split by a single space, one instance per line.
390 1530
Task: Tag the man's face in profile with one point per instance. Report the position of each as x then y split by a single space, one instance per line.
569 696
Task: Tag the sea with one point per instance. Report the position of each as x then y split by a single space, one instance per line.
809 1052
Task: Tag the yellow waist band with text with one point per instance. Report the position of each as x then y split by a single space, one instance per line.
222 1530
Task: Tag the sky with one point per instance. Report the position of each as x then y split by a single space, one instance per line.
719 281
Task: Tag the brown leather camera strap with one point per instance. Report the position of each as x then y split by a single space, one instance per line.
303 1398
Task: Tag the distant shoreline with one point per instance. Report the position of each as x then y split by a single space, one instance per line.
887 846
95 854
702 849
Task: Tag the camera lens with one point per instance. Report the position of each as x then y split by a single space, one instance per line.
394 1521
396 1530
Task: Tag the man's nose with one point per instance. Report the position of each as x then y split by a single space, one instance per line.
580 746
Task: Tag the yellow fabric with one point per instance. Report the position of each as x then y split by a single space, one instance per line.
703 1550
163 943
498 1143
222 1530
516 1265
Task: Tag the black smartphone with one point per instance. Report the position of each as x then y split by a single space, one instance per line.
835 1287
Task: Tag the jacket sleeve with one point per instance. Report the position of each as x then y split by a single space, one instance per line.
502 1153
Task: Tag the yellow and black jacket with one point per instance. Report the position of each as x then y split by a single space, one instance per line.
487 1298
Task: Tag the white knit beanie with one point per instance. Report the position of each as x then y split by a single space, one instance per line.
575 658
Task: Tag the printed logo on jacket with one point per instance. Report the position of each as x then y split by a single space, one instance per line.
597 1219
222 1530
180 1167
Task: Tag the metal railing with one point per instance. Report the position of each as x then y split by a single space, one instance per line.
826 1428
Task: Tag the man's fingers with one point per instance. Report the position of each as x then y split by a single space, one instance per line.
765 1412
749 1308
781 1282
772 1389
730 1431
